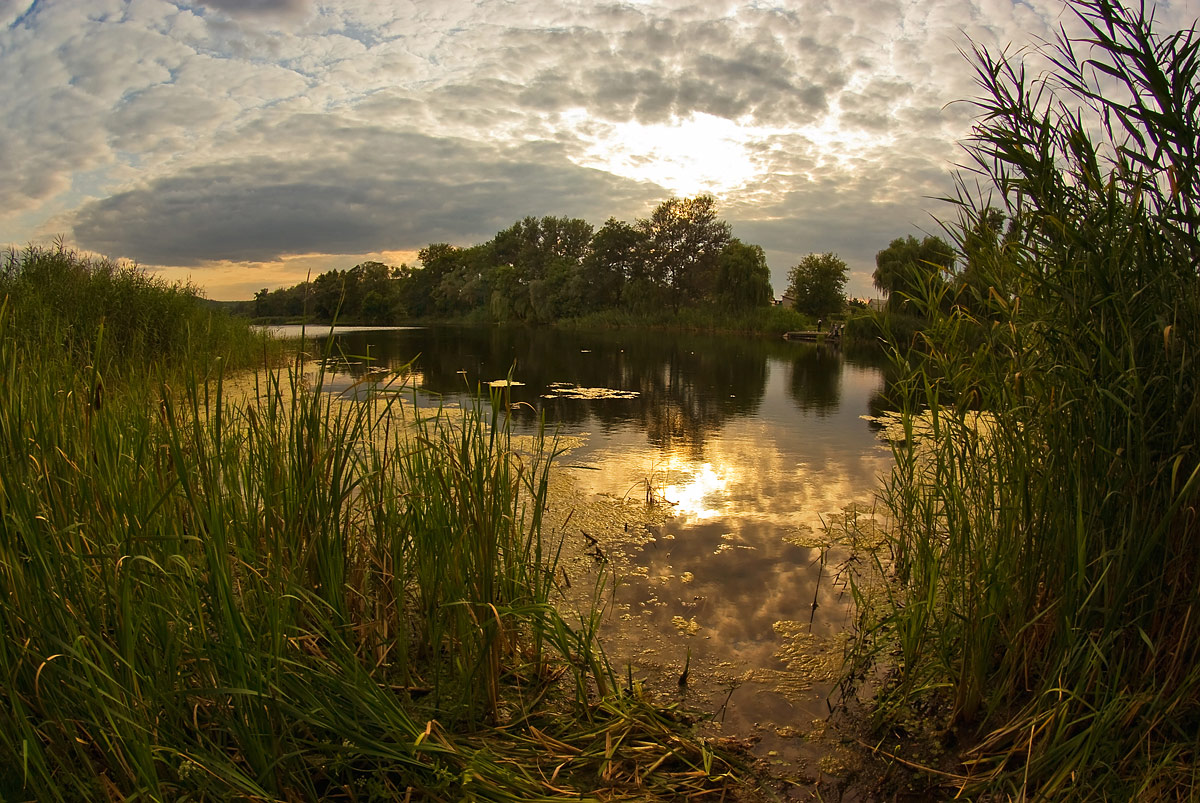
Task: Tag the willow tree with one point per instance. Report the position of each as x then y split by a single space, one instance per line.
743 278
908 265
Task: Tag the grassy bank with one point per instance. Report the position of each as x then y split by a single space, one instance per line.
1047 477
273 594
771 320
767 320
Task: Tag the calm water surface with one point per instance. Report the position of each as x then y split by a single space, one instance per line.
753 444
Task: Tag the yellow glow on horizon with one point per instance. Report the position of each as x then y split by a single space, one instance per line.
229 280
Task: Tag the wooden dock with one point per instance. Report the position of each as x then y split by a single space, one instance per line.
814 337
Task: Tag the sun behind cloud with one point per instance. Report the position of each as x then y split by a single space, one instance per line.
687 156
730 159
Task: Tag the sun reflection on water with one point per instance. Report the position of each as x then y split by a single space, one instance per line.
702 495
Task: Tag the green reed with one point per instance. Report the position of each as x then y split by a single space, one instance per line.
214 588
1048 478
58 293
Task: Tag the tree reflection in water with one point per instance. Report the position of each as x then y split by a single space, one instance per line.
688 386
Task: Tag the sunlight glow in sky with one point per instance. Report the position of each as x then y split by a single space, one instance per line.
840 146
707 154
701 153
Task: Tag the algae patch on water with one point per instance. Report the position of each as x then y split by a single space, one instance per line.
598 531
689 627
810 659
730 541
567 390
856 527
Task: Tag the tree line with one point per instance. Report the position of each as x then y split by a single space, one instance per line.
545 269
913 274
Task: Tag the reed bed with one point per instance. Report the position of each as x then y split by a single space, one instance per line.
64 297
281 595
1045 621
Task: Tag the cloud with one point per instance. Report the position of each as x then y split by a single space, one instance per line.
379 190
260 8
663 68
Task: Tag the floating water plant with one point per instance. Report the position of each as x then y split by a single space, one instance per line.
565 390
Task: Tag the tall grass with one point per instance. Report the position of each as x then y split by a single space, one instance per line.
58 293
1047 483
275 594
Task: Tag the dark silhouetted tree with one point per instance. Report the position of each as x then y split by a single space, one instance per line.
617 255
909 266
684 241
743 278
817 284
538 262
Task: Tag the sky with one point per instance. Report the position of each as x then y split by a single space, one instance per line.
242 144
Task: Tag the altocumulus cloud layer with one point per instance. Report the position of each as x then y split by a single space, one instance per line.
287 134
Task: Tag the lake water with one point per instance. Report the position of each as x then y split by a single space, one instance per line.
750 448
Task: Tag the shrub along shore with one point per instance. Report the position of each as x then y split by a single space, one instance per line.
770 320
275 594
